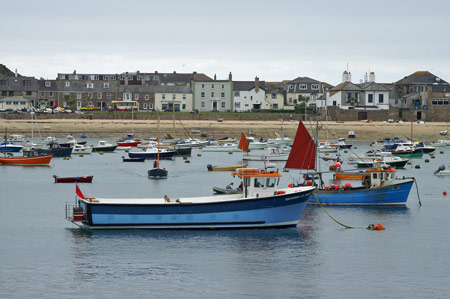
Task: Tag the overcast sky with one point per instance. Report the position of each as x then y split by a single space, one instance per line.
274 40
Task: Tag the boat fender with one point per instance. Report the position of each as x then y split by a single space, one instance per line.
281 192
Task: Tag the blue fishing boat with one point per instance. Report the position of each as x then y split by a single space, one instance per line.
380 188
261 205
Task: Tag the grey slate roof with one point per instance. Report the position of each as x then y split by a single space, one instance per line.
15 99
374 86
247 85
17 84
422 78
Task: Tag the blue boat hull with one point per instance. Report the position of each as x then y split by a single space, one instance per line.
276 211
392 195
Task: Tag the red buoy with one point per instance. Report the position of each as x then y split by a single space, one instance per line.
378 226
290 185
445 193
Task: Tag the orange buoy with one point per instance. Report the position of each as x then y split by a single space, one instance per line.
378 226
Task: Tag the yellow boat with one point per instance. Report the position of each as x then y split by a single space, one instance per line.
225 168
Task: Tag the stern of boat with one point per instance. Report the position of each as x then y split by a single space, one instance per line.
74 213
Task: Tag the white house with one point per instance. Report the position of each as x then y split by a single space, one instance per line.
248 95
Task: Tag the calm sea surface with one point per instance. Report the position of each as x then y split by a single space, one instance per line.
44 256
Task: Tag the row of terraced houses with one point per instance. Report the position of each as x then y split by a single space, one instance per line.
174 91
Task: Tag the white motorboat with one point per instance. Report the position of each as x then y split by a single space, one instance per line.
273 155
442 171
254 144
326 147
14 138
78 149
280 141
226 147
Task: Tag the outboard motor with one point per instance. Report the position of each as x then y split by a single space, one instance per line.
209 166
442 167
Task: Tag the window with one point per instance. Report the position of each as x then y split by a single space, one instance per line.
259 182
202 94
303 86
62 76
184 106
184 96
28 93
150 106
147 97
95 77
274 95
67 83
315 86
291 86
163 96
212 94
127 96
90 95
349 96
147 77
4 93
108 96
48 84
174 96
202 104
223 86
370 100
139 78
212 85
27 83
381 98
78 95
42 94
105 77
105 85
203 85
275 106
89 85
113 77
237 93
99 95
136 97
223 105
50 94
237 104
222 95
122 77
130 78
145 105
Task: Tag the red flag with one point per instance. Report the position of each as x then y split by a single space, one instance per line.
243 143
79 193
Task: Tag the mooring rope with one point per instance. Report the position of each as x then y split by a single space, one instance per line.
340 223
417 189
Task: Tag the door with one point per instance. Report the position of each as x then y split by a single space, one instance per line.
362 115
419 115
214 106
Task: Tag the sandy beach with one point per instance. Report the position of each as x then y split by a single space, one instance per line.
148 128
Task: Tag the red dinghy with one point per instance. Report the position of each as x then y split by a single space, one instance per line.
76 179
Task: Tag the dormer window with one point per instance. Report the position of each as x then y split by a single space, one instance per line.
48 84
315 86
291 86
302 86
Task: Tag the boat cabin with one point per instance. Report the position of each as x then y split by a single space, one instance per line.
258 183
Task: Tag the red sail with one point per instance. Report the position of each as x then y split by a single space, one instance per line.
243 143
303 152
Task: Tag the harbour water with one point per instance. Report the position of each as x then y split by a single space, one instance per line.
44 256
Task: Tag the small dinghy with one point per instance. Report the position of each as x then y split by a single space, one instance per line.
76 179
137 159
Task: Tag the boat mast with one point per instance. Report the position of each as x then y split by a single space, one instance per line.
132 121
158 144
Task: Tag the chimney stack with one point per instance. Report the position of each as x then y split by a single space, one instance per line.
256 84
215 77
346 76
365 77
372 77
230 77
15 73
